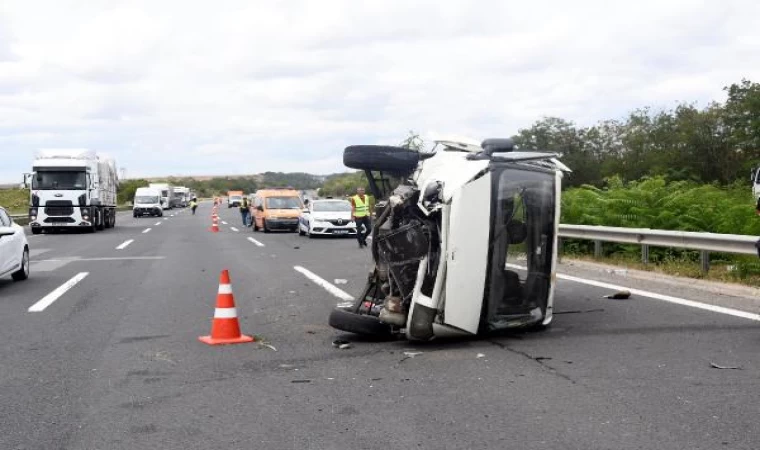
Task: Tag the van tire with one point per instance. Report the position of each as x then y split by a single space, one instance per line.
363 324
384 158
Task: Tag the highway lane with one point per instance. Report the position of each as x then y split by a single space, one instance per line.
115 362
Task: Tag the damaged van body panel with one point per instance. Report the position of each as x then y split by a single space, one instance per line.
466 242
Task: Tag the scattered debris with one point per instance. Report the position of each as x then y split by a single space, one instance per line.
622 272
412 354
341 344
718 366
542 358
287 366
268 346
341 281
578 311
481 355
619 295
296 247
300 381
291 292
311 332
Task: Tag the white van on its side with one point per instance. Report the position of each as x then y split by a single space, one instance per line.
147 202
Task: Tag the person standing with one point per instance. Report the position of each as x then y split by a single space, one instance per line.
360 214
194 204
245 212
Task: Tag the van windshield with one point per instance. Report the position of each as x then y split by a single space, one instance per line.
283 203
146 199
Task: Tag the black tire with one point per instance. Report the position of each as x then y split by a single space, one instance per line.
100 220
107 219
266 229
359 323
36 230
301 232
381 157
23 272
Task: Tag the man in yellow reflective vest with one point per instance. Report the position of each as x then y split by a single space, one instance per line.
360 214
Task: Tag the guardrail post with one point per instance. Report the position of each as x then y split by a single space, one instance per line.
597 249
560 248
645 254
704 259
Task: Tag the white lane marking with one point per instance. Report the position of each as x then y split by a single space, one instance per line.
159 223
166 218
147 230
345 305
224 223
656 296
256 242
329 287
125 258
234 229
172 215
56 294
125 245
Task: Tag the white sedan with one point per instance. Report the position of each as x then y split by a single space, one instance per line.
327 218
14 249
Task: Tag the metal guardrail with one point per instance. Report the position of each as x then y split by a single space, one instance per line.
646 237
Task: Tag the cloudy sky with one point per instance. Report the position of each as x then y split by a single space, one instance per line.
232 87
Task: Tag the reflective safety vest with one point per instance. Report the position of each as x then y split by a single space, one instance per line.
361 208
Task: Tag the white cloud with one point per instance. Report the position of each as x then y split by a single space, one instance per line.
178 87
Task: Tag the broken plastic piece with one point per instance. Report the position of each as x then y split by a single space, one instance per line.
341 344
718 366
340 281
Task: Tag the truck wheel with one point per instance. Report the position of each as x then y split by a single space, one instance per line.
107 219
23 272
100 221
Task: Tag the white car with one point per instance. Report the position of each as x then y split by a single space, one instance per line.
14 249
328 217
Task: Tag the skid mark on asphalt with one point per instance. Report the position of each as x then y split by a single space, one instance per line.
58 293
326 285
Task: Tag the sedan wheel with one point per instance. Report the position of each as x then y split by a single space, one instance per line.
23 272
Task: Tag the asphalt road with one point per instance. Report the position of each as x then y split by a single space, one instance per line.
115 362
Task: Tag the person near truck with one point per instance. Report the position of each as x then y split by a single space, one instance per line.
360 214
245 212
194 204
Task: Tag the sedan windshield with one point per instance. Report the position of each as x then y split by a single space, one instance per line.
59 180
283 203
145 199
336 206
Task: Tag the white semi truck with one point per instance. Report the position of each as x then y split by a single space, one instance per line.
72 189
181 196
167 194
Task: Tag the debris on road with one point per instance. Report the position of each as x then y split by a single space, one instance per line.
619 295
718 366
341 281
296 247
268 346
341 344
412 354
300 381
481 355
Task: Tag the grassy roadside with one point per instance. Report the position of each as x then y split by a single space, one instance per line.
16 201
744 270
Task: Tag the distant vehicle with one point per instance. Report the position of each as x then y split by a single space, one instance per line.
147 202
276 208
73 189
326 217
14 249
167 194
181 197
234 199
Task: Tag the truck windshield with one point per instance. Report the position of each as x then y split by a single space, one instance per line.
332 206
146 199
70 180
283 203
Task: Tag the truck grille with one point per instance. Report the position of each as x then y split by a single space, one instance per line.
59 208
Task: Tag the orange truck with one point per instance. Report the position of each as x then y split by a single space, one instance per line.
234 198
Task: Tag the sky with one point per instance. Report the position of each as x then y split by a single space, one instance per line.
175 88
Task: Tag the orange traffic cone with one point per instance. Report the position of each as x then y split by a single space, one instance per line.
225 328
214 225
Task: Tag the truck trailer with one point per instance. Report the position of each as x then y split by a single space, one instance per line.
72 189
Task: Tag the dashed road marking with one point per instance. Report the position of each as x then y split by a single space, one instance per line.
147 230
329 287
125 244
256 242
56 294
234 229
